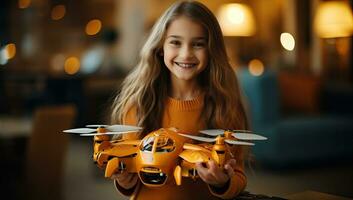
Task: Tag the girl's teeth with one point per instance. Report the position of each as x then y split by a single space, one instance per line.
185 65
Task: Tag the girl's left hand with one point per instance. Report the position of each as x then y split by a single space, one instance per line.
214 175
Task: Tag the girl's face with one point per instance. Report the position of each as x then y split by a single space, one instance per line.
185 49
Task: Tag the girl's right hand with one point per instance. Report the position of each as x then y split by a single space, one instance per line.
125 180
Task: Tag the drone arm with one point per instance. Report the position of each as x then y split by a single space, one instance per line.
100 143
194 147
111 167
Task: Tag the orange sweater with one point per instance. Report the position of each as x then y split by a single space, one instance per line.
184 115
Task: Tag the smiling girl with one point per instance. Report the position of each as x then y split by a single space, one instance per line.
184 80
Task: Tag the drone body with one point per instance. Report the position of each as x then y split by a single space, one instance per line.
160 155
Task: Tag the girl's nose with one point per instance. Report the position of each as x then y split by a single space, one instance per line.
186 52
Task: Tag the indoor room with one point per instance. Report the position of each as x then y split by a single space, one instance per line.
63 62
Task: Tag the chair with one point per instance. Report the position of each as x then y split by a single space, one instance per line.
46 151
295 140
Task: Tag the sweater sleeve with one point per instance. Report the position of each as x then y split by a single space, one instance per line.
236 184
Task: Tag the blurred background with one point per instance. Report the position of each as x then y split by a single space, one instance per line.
62 62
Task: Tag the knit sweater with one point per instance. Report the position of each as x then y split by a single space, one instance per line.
184 115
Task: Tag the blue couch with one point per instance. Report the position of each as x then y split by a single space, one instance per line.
293 140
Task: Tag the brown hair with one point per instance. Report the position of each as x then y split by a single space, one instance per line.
146 86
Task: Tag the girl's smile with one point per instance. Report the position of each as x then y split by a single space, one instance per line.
185 65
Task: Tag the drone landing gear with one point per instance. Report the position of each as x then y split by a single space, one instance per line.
112 166
177 175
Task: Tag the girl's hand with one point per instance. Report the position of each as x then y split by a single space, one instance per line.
125 180
214 175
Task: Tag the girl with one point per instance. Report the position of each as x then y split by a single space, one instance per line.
184 80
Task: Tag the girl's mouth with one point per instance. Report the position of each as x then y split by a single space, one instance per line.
185 65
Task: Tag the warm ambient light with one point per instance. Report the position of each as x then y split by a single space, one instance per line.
256 67
72 65
24 3
7 52
10 51
58 12
236 20
333 19
93 27
57 62
287 41
3 59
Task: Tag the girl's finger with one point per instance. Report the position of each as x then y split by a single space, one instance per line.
229 170
201 171
232 163
113 177
134 179
131 177
212 165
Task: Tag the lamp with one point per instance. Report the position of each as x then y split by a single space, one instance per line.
333 22
333 19
236 20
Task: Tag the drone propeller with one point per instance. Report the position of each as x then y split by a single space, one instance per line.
111 130
213 132
107 133
116 128
204 139
248 136
80 130
97 126
238 142
239 134
198 138
217 132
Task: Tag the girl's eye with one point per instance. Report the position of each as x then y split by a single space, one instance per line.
198 44
175 42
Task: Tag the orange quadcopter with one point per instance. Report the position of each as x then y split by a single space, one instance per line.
161 154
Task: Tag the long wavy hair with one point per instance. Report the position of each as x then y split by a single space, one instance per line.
146 87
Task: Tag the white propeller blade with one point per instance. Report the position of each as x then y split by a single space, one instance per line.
107 133
202 139
238 142
213 132
217 132
80 130
96 125
123 128
248 136
244 131
117 127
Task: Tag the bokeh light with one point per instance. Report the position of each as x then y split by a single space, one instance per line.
287 41
3 59
236 15
7 53
72 65
57 62
236 20
24 3
58 12
256 67
93 27
10 49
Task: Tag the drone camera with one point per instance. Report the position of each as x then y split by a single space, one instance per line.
156 179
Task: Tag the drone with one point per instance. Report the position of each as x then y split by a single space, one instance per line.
161 154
